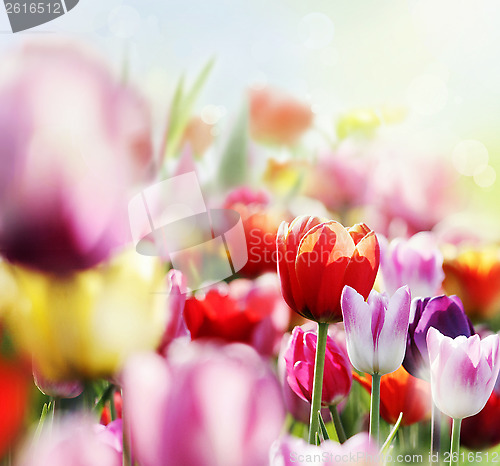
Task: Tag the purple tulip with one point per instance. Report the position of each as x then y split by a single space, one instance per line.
445 313
300 357
290 451
76 441
416 262
205 405
376 330
463 372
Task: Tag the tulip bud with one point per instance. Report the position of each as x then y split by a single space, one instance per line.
316 260
376 330
299 357
463 372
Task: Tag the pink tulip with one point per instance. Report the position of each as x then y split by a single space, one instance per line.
300 356
294 404
376 330
176 326
205 405
74 141
416 262
290 451
75 441
463 372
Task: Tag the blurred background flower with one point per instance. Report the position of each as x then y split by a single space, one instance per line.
199 407
85 325
75 142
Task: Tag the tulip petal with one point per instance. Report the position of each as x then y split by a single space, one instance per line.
324 253
363 265
392 339
360 347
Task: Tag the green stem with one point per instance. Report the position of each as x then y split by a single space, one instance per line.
127 457
112 406
435 430
319 366
337 422
455 442
375 409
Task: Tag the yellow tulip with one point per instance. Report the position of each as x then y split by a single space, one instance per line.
86 324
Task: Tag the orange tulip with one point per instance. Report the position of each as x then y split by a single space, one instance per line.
400 392
277 118
474 276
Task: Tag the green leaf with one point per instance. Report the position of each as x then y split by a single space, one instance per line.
323 427
318 440
234 164
43 416
387 443
181 109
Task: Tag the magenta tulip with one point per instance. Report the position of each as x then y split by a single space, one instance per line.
299 357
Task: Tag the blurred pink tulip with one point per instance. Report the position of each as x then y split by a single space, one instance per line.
463 372
376 330
416 262
176 326
409 191
300 357
75 441
74 141
358 450
338 180
205 405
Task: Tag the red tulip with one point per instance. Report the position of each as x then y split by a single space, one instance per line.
316 260
243 311
400 392
106 411
15 380
260 225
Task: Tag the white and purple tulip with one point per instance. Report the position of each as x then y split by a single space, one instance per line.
463 372
376 329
